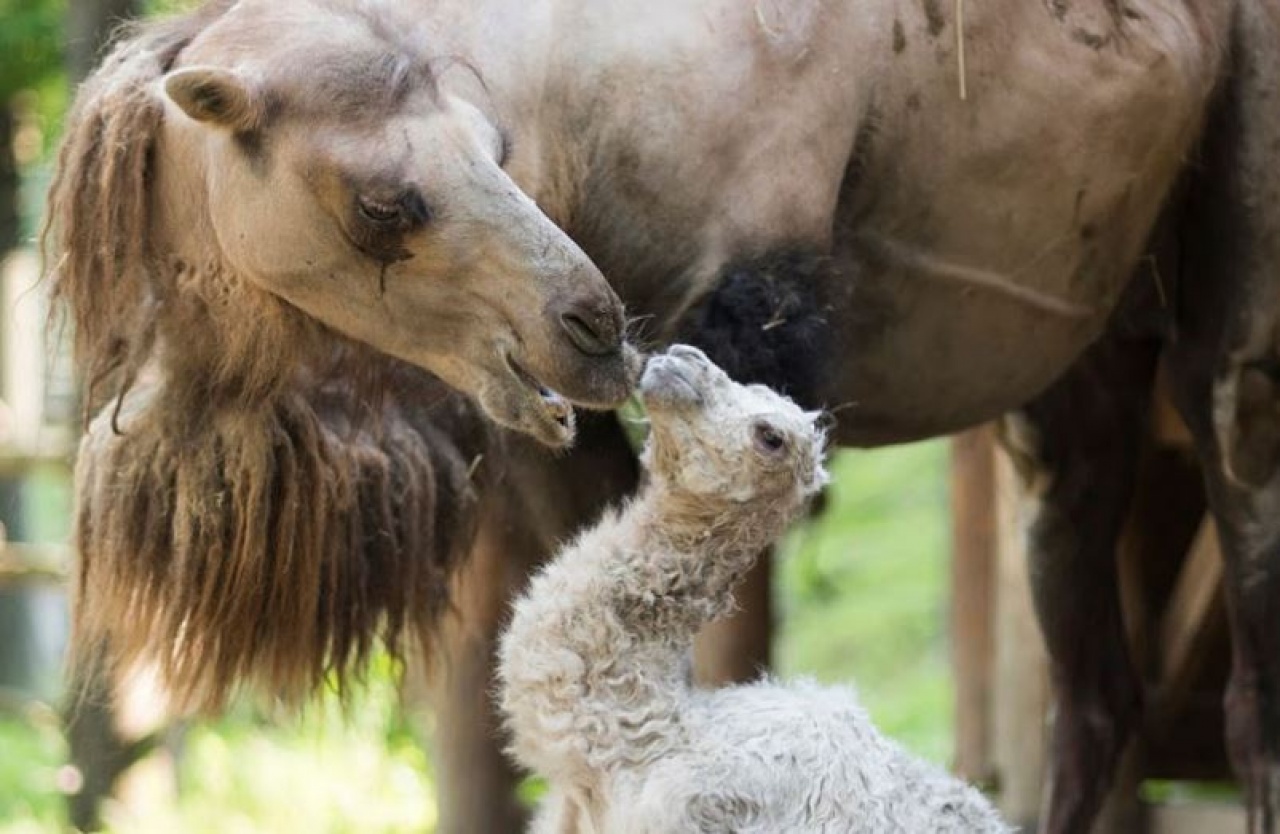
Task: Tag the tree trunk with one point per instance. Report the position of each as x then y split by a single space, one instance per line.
16 650
10 228
90 24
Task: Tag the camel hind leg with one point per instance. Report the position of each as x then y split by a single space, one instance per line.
1077 449
1225 367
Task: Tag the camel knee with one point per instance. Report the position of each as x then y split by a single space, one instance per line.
1096 729
1246 402
1089 737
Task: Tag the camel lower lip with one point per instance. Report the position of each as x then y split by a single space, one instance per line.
557 406
554 404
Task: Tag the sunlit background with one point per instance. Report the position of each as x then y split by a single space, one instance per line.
861 597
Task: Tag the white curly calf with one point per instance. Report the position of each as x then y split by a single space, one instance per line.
594 667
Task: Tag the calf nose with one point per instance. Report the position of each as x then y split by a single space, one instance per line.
595 328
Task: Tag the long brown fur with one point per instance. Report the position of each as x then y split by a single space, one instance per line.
260 500
271 545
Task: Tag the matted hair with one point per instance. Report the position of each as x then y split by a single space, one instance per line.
273 546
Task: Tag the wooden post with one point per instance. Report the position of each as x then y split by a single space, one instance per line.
1186 631
973 563
1020 698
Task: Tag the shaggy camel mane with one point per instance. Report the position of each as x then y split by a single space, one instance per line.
260 501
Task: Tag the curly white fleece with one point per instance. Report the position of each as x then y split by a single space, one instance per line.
594 667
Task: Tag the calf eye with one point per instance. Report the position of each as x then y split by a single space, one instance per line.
768 439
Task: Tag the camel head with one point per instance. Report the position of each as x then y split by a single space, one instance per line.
710 436
337 175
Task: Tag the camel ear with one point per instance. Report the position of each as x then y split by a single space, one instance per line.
216 96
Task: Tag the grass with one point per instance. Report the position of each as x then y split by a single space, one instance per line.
862 598
329 773
31 751
863 592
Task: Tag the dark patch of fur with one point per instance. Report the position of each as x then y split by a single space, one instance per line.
899 37
933 16
765 323
868 130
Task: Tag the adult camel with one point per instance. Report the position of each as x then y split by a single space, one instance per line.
927 216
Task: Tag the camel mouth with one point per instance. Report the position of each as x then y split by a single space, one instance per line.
552 415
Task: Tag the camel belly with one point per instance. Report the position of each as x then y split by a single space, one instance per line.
983 243
920 352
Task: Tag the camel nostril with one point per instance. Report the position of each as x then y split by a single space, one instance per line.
593 335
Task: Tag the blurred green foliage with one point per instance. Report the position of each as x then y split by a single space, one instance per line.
31 751
863 592
31 44
333 770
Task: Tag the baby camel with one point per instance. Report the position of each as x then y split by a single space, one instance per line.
594 670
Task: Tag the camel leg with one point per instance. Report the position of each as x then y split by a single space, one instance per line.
1225 368
1077 446
1234 411
476 783
738 648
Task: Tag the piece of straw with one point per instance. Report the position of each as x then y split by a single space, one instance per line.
964 91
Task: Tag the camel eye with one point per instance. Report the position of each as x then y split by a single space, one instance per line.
403 212
768 440
378 212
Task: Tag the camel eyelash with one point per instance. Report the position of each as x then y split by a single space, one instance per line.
504 148
402 213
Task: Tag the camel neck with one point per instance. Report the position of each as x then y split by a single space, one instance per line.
678 561
678 527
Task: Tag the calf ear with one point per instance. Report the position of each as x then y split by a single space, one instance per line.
215 96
